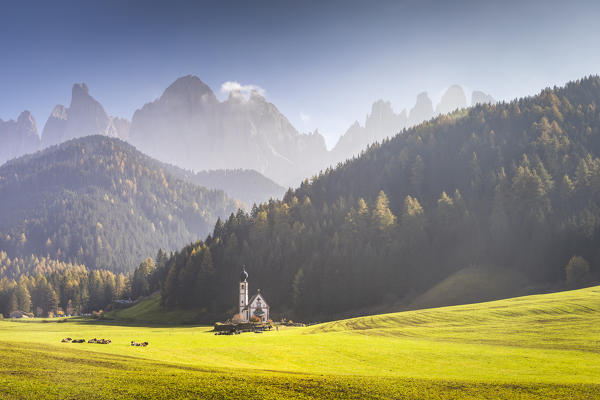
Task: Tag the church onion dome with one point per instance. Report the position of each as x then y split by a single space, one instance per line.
243 275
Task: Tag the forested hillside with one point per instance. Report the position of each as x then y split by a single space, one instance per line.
98 201
510 186
247 185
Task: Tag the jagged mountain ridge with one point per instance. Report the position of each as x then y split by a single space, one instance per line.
188 126
85 116
383 122
179 128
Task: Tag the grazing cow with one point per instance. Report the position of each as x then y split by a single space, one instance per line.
66 340
99 341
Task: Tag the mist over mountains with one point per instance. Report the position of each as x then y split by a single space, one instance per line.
85 116
189 127
383 122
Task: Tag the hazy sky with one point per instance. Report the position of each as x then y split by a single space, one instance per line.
322 63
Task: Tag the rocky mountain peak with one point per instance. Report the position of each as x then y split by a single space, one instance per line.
80 98
80 89
422 111
26 124
190 127
26 118
189 89
381 123
452 99
59 112
381 107
18 137
479 97
85 116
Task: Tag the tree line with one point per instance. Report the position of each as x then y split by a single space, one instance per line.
42 286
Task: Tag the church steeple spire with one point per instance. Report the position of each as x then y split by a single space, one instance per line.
243 300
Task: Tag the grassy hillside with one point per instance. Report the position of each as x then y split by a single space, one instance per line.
560 321
149 311
543 346
469 285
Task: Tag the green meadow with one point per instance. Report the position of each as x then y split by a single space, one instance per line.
542 346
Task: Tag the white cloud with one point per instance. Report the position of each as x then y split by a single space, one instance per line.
304 117
232 86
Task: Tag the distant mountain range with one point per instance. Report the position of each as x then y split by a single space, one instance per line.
383 122
189 127
100 202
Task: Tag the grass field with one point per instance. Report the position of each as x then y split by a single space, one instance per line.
544 346
149 311
472 284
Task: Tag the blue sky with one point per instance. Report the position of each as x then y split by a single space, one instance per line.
322 63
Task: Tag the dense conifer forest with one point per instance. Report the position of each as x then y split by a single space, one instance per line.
511 186
99 202
42 286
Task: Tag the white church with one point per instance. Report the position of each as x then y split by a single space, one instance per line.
257 306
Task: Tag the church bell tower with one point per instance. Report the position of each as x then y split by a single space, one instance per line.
243 300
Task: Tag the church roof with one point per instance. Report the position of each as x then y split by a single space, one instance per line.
261 297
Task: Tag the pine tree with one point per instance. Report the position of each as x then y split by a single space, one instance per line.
49 299
298 288
383 216
417 176
23 297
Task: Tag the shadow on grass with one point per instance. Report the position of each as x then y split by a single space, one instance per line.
140 324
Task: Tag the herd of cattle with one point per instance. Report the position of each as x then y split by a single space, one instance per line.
100 341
